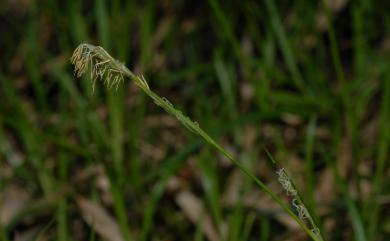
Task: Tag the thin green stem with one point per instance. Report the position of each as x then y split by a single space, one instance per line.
112 72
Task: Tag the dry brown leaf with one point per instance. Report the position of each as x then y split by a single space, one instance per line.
249 137
163 29
336 5
370 131
153 152
160 121
173 184
344 160
193 209
366 188
233 186
247 92
291 119
13 199
255 199
99 219
103 183
325 192
161 32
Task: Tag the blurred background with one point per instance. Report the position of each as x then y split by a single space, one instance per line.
308 80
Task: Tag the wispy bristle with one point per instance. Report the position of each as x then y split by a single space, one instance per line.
100 63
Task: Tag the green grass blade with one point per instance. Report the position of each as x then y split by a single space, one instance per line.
284 44
382 160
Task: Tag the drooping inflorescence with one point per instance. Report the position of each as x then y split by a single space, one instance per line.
100 63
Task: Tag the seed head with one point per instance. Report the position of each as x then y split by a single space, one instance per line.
287 185
99 62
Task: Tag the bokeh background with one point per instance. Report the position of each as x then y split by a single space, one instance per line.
307 80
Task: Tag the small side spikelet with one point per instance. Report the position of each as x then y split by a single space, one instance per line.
100 63
285 181
296 202
288 186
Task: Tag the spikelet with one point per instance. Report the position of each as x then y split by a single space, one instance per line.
296 202
102 66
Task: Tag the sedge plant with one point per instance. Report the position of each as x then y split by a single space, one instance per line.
112 72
